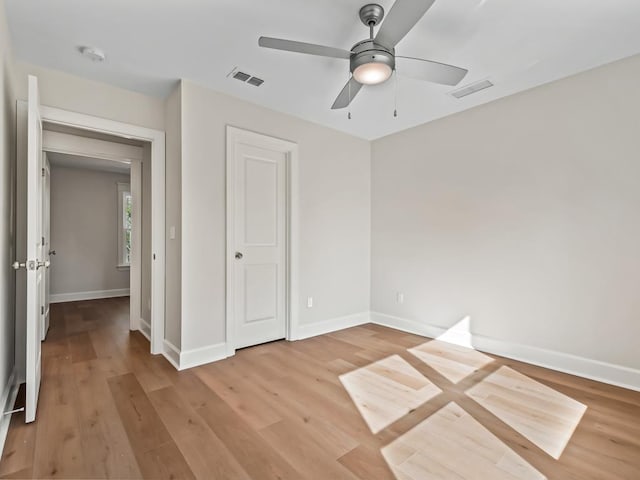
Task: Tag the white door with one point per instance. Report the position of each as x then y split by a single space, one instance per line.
259 257
46 241
35 263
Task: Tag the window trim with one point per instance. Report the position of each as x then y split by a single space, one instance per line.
123 189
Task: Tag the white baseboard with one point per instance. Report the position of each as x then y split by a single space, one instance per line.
145 328
609 373
182 360
200 356
327 326
9 393
92 295
172 354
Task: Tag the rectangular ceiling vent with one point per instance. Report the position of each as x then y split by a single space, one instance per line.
255 81
473 88
245 77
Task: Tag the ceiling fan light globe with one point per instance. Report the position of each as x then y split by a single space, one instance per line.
372 73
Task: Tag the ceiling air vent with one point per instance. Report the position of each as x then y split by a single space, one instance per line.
255 81
473 88
243 77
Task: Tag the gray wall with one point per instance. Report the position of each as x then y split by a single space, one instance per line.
523 214
334 212
7 208
173 111
145 248
84 215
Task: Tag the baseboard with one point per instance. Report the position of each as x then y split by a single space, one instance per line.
200 356
327 326
92 295
609 373
172 354
9 394
145 328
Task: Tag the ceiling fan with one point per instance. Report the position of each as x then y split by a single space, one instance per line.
373 60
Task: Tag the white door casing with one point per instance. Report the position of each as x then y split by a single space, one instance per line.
35 264
259 231
157 140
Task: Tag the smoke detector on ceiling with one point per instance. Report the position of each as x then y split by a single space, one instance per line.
92 53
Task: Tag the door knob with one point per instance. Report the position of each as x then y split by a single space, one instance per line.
239 255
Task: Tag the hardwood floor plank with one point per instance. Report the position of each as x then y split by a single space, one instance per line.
165 462
147 434
140 419
190 433
105 444
109 409
81 348
254 453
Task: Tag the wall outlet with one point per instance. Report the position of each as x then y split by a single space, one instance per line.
309 302
400 297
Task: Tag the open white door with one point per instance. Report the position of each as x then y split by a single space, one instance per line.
35 264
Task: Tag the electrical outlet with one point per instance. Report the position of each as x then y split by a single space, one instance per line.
400 297
309 302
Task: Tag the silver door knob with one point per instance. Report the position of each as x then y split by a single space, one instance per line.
18 265
238 255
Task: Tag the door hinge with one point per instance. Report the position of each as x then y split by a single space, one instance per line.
41 309
42 171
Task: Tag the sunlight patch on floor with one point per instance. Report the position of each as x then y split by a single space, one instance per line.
454 362
452 444
458 334
387 390
543 415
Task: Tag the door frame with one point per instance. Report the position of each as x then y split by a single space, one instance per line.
235 136
156 138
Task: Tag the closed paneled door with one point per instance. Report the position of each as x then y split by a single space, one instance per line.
260 245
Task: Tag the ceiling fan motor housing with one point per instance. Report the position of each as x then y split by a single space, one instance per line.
367 51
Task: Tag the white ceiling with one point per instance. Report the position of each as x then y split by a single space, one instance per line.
66 160
151 43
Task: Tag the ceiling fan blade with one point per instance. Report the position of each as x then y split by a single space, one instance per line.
431 71
402 17
346 96
301 47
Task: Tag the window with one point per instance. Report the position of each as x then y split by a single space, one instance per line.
124 225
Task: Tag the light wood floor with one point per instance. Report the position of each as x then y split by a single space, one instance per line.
108 409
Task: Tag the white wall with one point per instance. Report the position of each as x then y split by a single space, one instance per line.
334 208
173 255
69 92
84 219
523 214
7 210
145 247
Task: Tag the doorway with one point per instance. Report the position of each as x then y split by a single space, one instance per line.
261 240
32 258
